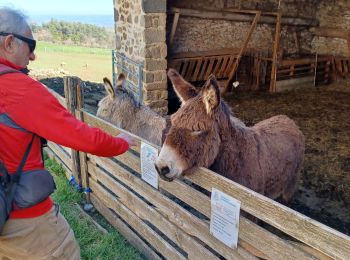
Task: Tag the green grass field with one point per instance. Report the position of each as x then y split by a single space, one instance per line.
94 244
87 63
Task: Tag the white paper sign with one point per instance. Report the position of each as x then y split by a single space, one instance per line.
224 222
149 156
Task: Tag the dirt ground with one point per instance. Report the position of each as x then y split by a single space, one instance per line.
323 115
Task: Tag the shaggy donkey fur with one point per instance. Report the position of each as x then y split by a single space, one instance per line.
266 158
121 109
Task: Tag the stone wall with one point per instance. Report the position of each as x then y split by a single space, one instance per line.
336 15
195 34
140 35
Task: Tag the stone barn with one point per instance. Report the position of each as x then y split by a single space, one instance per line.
272 45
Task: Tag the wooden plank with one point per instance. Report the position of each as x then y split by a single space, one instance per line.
276 44
304 61
63 149
292 70
241 51
136 223
229 66
310 250
197 70
63 157
184 68
305 229
190 68
230 16
204 68
330 32
177 215
173 28
210 68
54 156
203 54
66 150
218 66
193 248
223 66
127 233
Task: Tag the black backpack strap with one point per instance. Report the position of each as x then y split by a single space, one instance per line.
18 172
15 177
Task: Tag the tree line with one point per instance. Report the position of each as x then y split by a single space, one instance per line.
74 33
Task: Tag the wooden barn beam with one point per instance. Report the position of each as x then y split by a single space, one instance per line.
244 16
276 44
173 28
241 51
330 32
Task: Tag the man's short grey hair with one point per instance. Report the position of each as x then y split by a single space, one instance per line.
12 21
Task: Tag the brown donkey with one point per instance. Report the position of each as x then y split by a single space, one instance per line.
120 108
266 158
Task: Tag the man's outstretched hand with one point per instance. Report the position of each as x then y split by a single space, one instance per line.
129 139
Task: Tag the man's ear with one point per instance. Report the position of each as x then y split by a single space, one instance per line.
109 88
184 90
9 43
211 94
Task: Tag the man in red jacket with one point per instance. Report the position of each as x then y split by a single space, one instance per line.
38 232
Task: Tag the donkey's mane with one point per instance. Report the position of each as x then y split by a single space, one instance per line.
125 94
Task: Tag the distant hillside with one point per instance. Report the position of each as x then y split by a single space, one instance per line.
99 20
74 33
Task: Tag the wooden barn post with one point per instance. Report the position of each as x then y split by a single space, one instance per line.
276 44
71 85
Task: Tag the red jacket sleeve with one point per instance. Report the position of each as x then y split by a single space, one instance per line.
41 113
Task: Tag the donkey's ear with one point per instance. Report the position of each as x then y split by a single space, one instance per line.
121 80
109 88
183 89
211 94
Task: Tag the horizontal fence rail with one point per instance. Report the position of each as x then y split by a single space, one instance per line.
173 221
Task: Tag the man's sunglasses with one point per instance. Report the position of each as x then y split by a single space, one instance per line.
31 43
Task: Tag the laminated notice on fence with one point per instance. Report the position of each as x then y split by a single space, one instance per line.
224 222
149 156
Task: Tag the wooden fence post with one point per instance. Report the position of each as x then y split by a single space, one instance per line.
71 92
82 156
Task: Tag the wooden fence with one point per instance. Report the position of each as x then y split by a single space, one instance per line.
173 221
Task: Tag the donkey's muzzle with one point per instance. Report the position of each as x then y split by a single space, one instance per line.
162 172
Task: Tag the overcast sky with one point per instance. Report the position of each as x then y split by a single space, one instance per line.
54 7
